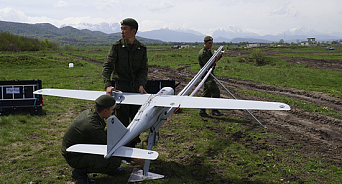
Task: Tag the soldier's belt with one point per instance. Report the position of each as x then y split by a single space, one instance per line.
128 83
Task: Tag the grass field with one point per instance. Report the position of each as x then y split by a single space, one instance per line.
191 151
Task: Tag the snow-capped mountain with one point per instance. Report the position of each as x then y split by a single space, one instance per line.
103 27
231 32
301 30
301 33
226 34
183 30
173 35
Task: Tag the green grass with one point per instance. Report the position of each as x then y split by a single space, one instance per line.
52 68
191 150
216 149
281 73
173 58
307 106
310 49
321 56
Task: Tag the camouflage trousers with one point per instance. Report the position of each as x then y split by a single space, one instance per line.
94 163
210 88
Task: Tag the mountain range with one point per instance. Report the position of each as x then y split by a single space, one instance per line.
65 35
105 33
223 34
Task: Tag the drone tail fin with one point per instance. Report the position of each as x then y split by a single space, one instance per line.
115 132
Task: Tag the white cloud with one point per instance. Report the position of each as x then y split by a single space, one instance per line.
61 4
285 10
10 14
161 6
148 25
104 5
257 31
77 20
259 16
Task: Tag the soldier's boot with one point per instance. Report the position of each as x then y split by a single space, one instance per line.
81 176
216 112
204 114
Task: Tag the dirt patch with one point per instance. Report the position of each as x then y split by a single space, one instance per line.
334 64
88 59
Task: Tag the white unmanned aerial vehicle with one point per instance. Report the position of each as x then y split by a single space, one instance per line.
154 111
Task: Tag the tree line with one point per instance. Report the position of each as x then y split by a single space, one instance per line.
14 43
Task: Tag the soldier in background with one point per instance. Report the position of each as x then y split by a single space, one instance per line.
210 87
127 65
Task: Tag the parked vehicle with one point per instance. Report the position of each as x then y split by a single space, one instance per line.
329 48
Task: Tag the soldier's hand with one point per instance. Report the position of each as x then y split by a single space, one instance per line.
109 90
139 161
142 90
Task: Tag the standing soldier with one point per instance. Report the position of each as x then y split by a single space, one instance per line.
127 65
210 87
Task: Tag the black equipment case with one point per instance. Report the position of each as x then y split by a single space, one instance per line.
154 86
16 95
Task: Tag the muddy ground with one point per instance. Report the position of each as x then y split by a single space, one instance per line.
317 134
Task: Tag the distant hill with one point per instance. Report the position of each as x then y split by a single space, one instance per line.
249 40
169 35
231 32
103 27
237 35
97 34
66 35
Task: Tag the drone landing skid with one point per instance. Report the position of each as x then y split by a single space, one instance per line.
137 175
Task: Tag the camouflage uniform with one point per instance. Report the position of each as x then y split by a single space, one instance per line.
210 87
126 63
128 66
88 128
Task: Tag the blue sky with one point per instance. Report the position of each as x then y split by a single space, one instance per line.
258 16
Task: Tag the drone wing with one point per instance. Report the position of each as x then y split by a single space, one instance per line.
216 103
129 98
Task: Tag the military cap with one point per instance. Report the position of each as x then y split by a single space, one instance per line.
208 38
130 22
105 101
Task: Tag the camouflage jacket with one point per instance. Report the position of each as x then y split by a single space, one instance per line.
87 128
126 62
203 57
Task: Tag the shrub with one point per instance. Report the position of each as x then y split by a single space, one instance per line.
68 48
259 58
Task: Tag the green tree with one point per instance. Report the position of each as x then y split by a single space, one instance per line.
10 42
